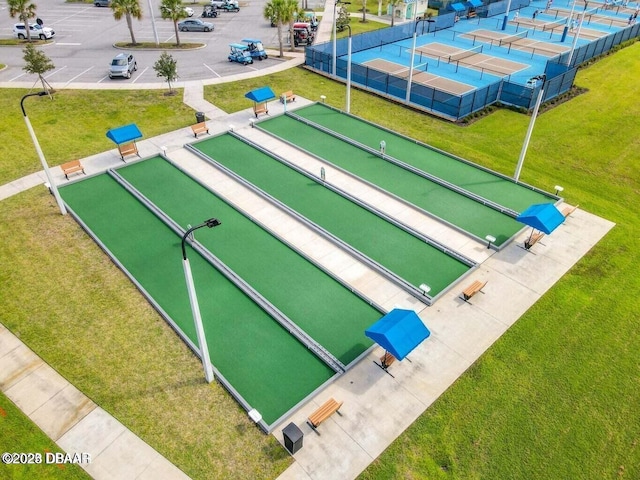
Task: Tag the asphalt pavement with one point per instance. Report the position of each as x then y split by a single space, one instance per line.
85 35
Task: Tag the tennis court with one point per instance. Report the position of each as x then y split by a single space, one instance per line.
420 76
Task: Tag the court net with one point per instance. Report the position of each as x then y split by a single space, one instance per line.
454 57
553 25
513 38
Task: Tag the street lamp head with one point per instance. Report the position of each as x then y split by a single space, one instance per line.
212 222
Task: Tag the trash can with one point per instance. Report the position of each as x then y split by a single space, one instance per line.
199 117
292 438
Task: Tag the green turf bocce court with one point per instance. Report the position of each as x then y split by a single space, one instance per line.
273 362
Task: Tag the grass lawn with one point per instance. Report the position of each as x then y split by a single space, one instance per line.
74 124
21 435
555 397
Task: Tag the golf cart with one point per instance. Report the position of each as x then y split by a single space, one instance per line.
230 6
311 19
239 53
302 34
255 48
209 11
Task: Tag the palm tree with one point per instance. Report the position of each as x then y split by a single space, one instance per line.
290 14
273 12
174 10
282 12
24 10
128 8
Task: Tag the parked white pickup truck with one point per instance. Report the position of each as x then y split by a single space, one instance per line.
223 3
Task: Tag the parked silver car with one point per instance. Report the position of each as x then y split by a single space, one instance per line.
122 65
195 25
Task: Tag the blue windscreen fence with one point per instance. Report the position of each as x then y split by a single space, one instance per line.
560 71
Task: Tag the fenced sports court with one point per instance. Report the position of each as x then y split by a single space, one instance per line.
462 65
280 325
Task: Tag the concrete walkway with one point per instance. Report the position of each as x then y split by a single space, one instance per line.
377 407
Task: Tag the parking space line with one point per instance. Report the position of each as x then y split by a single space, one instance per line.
57 70
80 74
15 78
139 75
212 70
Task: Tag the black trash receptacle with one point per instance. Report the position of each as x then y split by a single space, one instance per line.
199 117
292 438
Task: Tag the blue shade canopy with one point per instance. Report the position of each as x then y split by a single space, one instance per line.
261 94
543 216
398 332
124 134
474 3
457 7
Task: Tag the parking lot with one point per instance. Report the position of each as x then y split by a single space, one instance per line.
83 46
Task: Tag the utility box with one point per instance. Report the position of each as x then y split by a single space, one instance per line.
292 438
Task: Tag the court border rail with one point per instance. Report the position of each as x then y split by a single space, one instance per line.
410 168
385 272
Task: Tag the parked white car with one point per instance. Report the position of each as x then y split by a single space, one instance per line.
35 31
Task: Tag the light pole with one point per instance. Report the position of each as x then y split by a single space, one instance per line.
577 34
335 21
527 137
43 161
568 24
153 24
349 71
505 20
193 300
413 51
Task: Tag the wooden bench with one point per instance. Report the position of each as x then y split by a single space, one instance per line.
387 359
199 128
568 210
532 240
262 108
327 409
74 166
471 14
472 289
128 149
288 97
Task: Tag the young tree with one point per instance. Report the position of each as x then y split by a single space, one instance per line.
343 18
364 11
174 10
37 62
130 9
167 68
24 10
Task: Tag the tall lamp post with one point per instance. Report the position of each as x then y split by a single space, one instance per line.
577 34
153 24
193 300
413 52
525 145
349 71
43 161
335 21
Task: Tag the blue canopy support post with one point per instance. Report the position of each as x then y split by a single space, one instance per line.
399 332
125 138
260 97
544 217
